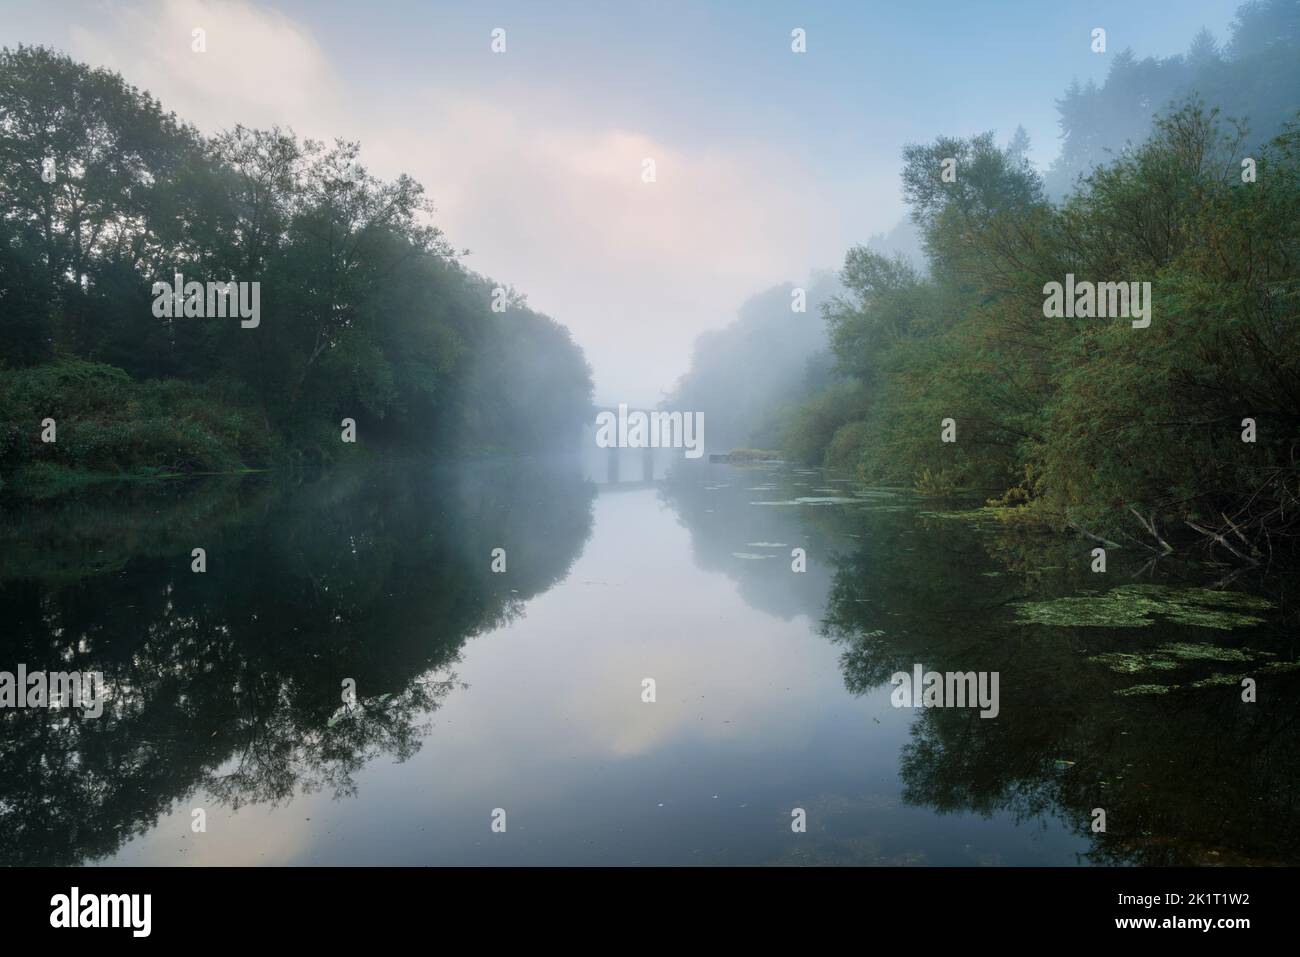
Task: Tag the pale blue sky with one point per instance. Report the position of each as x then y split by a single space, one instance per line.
769 163
702 71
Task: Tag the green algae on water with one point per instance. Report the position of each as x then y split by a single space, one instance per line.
813 500
1136 606
1145 689
1190 651
1131 664
984 513
1176 654
1217 679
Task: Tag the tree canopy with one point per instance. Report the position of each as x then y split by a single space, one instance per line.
366 310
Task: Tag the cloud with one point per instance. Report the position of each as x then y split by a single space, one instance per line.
636 269
538 181
260 68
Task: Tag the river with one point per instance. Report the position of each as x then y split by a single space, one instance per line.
502 716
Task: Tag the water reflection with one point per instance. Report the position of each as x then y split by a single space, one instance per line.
1186 771
229 682
773 684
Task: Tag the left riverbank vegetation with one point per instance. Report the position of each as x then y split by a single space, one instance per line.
367 311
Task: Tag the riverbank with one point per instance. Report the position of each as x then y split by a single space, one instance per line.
72 423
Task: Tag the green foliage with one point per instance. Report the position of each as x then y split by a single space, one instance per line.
811 426
847 445
1085 421
365 309
108 424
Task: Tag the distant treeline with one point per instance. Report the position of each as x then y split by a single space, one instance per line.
1125 433
1255 74
744 375
366 311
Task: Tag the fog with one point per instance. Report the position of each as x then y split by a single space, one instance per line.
769 164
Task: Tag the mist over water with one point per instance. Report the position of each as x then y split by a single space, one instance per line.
522 691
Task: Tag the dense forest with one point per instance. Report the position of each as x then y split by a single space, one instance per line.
1255 74
366 311
1186 429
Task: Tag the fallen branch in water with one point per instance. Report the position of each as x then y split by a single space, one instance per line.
1243 538
1150 526
1221 540
1096 538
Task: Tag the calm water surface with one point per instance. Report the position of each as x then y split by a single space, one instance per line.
523 690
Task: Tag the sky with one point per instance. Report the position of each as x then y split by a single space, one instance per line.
768 164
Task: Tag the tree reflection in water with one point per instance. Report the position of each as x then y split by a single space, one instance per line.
229 683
